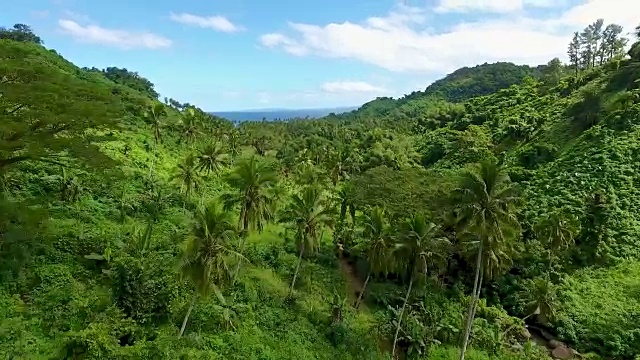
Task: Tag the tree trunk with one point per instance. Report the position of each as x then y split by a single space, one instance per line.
364 287
242 243
395 338
295 275
186 317
471 312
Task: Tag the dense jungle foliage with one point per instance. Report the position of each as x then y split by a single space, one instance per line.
413 228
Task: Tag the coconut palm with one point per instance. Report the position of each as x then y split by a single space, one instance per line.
486 202
347 204
208 254
234 144
154 115
557 231
189 129
377 247
212 158
253 180
307 213
187 176
421 249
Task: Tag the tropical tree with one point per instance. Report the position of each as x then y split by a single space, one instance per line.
347 204
187 176
308 213
212 158
20 32
189 129
486 202
208 254
377 247
421 249
253 179
557 231
341 165
154 116
542 300
234 144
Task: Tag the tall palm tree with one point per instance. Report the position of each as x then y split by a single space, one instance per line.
208 254
308 213
212 158
557 231
377 247
154 115
421 248
253 179
187 176
347 204
189 129
234 144
486 203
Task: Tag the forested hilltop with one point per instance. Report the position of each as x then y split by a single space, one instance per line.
478 219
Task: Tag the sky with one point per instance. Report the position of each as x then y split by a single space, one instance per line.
226 55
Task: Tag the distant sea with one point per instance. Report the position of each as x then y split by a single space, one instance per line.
279 114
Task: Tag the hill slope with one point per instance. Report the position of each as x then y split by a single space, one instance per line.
115 259
89 254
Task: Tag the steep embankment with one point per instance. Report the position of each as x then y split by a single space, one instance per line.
89 253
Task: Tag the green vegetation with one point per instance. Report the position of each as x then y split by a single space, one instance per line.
436 226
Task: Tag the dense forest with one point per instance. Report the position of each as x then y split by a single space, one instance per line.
492 216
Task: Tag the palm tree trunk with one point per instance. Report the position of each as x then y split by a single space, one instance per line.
186 317
406 298
364 287
242 243
295 275
472 306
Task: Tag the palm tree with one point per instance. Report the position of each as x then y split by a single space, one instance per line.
253 179
187 176
421 248
189 127
557 231
486 201
542 300
308 213
347 204
207 255
341 165
234 144
153 115
377 247
212 158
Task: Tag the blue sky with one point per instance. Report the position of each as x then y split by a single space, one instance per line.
247 54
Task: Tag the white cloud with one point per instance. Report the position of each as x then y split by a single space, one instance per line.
402 40
494 6
123 39
218 23
351 87
289 45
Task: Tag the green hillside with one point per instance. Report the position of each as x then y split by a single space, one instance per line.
469 82
495 200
